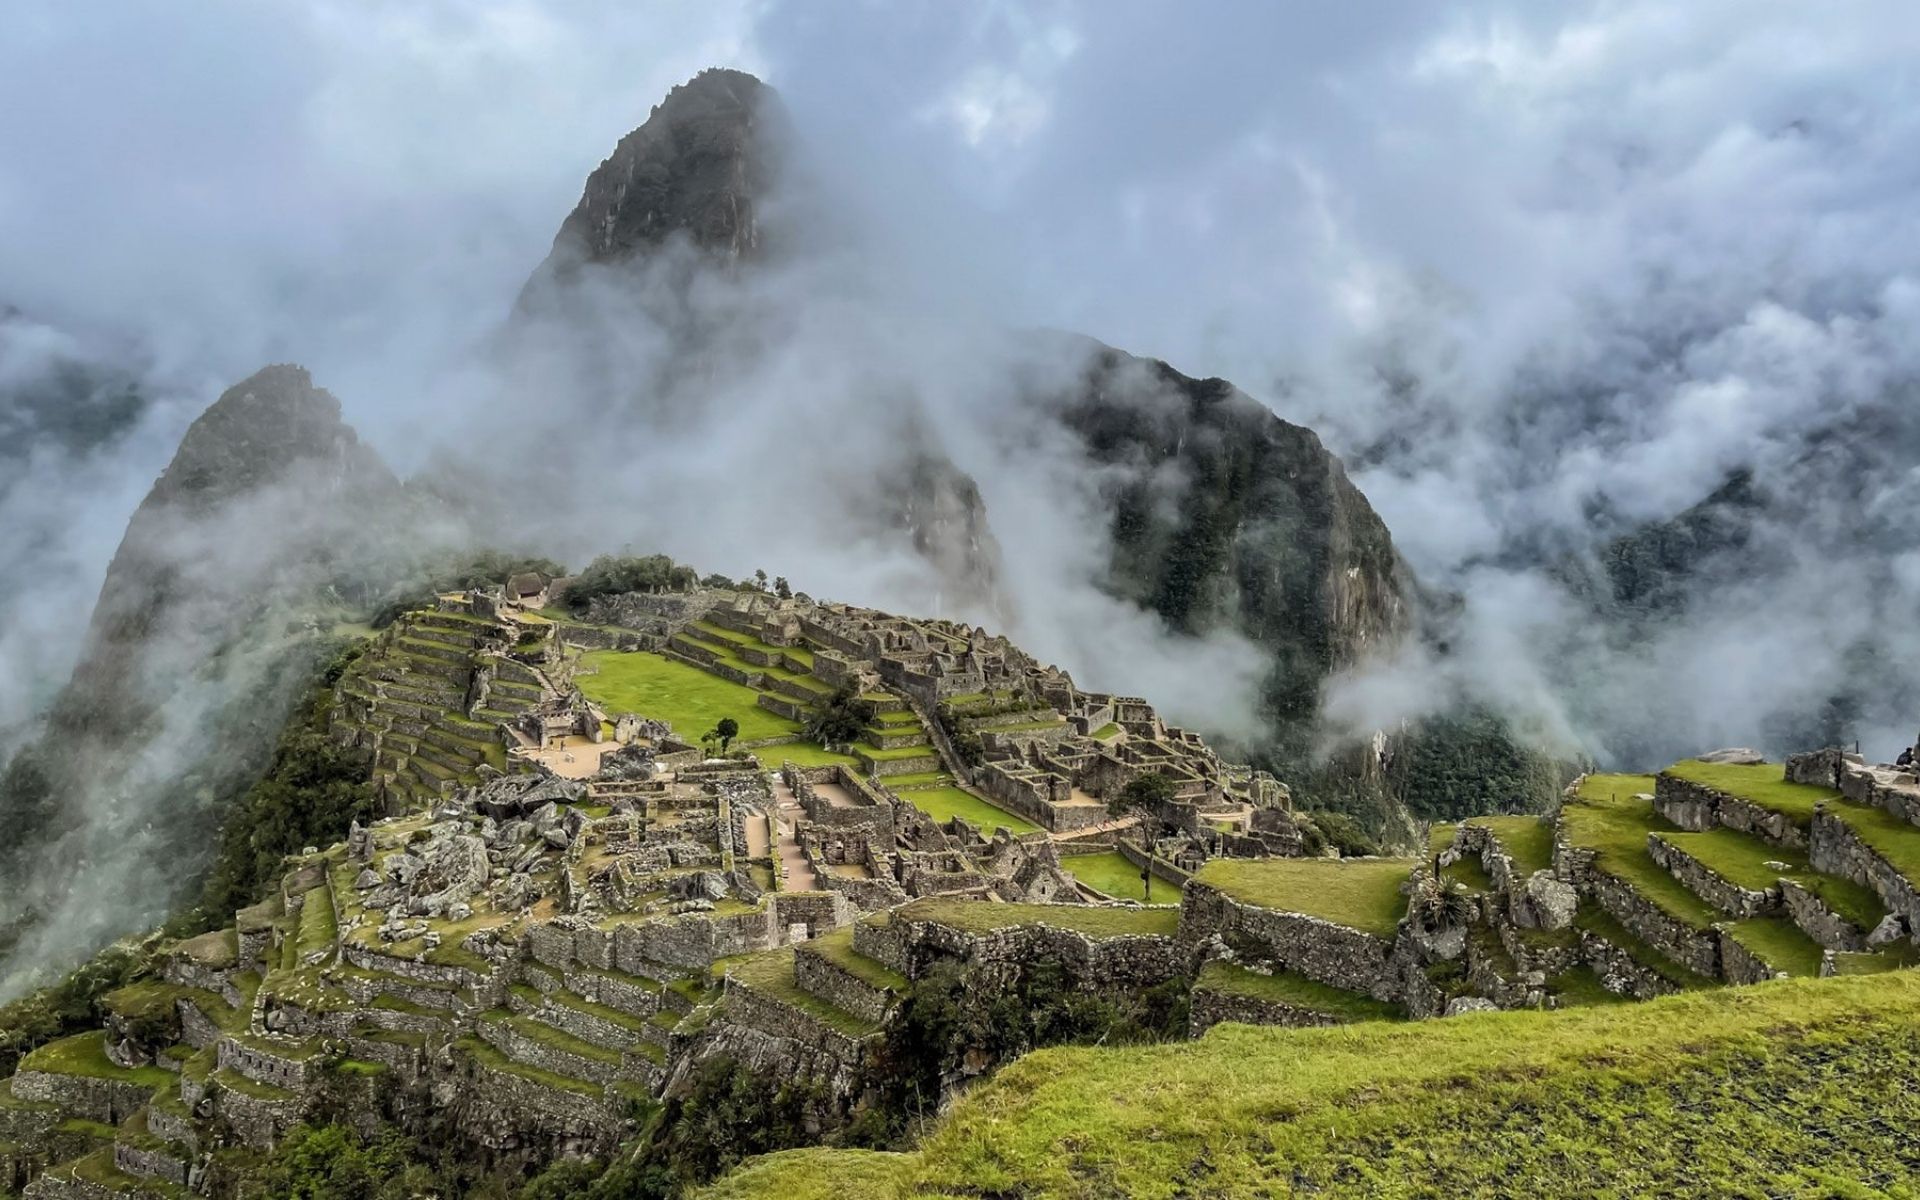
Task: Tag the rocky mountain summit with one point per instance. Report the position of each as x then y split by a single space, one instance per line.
700 166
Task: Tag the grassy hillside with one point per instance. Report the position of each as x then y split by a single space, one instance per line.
1793 1088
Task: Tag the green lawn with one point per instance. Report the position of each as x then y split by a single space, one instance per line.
1527 840
692 701
1285 987
1765 785
1361 893
980 916
1605 818
1113 874
946 803
685 697
1780 944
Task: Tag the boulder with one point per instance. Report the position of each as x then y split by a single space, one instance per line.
1468 1004
1738 756
1890 930
1551 903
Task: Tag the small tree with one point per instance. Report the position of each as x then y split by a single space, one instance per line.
841 719
781 588
1149 791
728 729
760 580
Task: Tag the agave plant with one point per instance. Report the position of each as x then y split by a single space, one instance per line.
1439 907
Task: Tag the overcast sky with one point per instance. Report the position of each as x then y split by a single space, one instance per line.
1697 218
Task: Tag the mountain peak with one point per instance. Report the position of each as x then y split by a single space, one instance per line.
698 166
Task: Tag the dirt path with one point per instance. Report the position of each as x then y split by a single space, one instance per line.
797 875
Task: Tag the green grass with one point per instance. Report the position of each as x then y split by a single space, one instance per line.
1797 1088
85 1054
837 948
1113 874
815 1174
1885 834
319 929
1580 988
1601 923
1607 820
685 697
923 750
1779 943
771 974
1361 893
980 916
1765 785
554 1039
946 803
922 779
1109 730
1467 870
1527 840
1297 991
485 1054
1742 859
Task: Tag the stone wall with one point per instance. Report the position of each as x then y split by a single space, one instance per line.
1837 850
1618 972
820 976
523 1049
1819 922
258 1121
1697 807
692 941
1210 1008
1697 950
1705 883
1739 964
150 1162
748 1006
289 1070
502 1110
820 912
108 1101
1321 950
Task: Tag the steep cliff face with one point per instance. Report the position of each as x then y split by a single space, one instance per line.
701 166
207 628
1226 516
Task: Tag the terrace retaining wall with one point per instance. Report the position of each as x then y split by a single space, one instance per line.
1696 807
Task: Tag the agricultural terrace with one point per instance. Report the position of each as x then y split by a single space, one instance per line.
946 802
1360 893
1606 818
